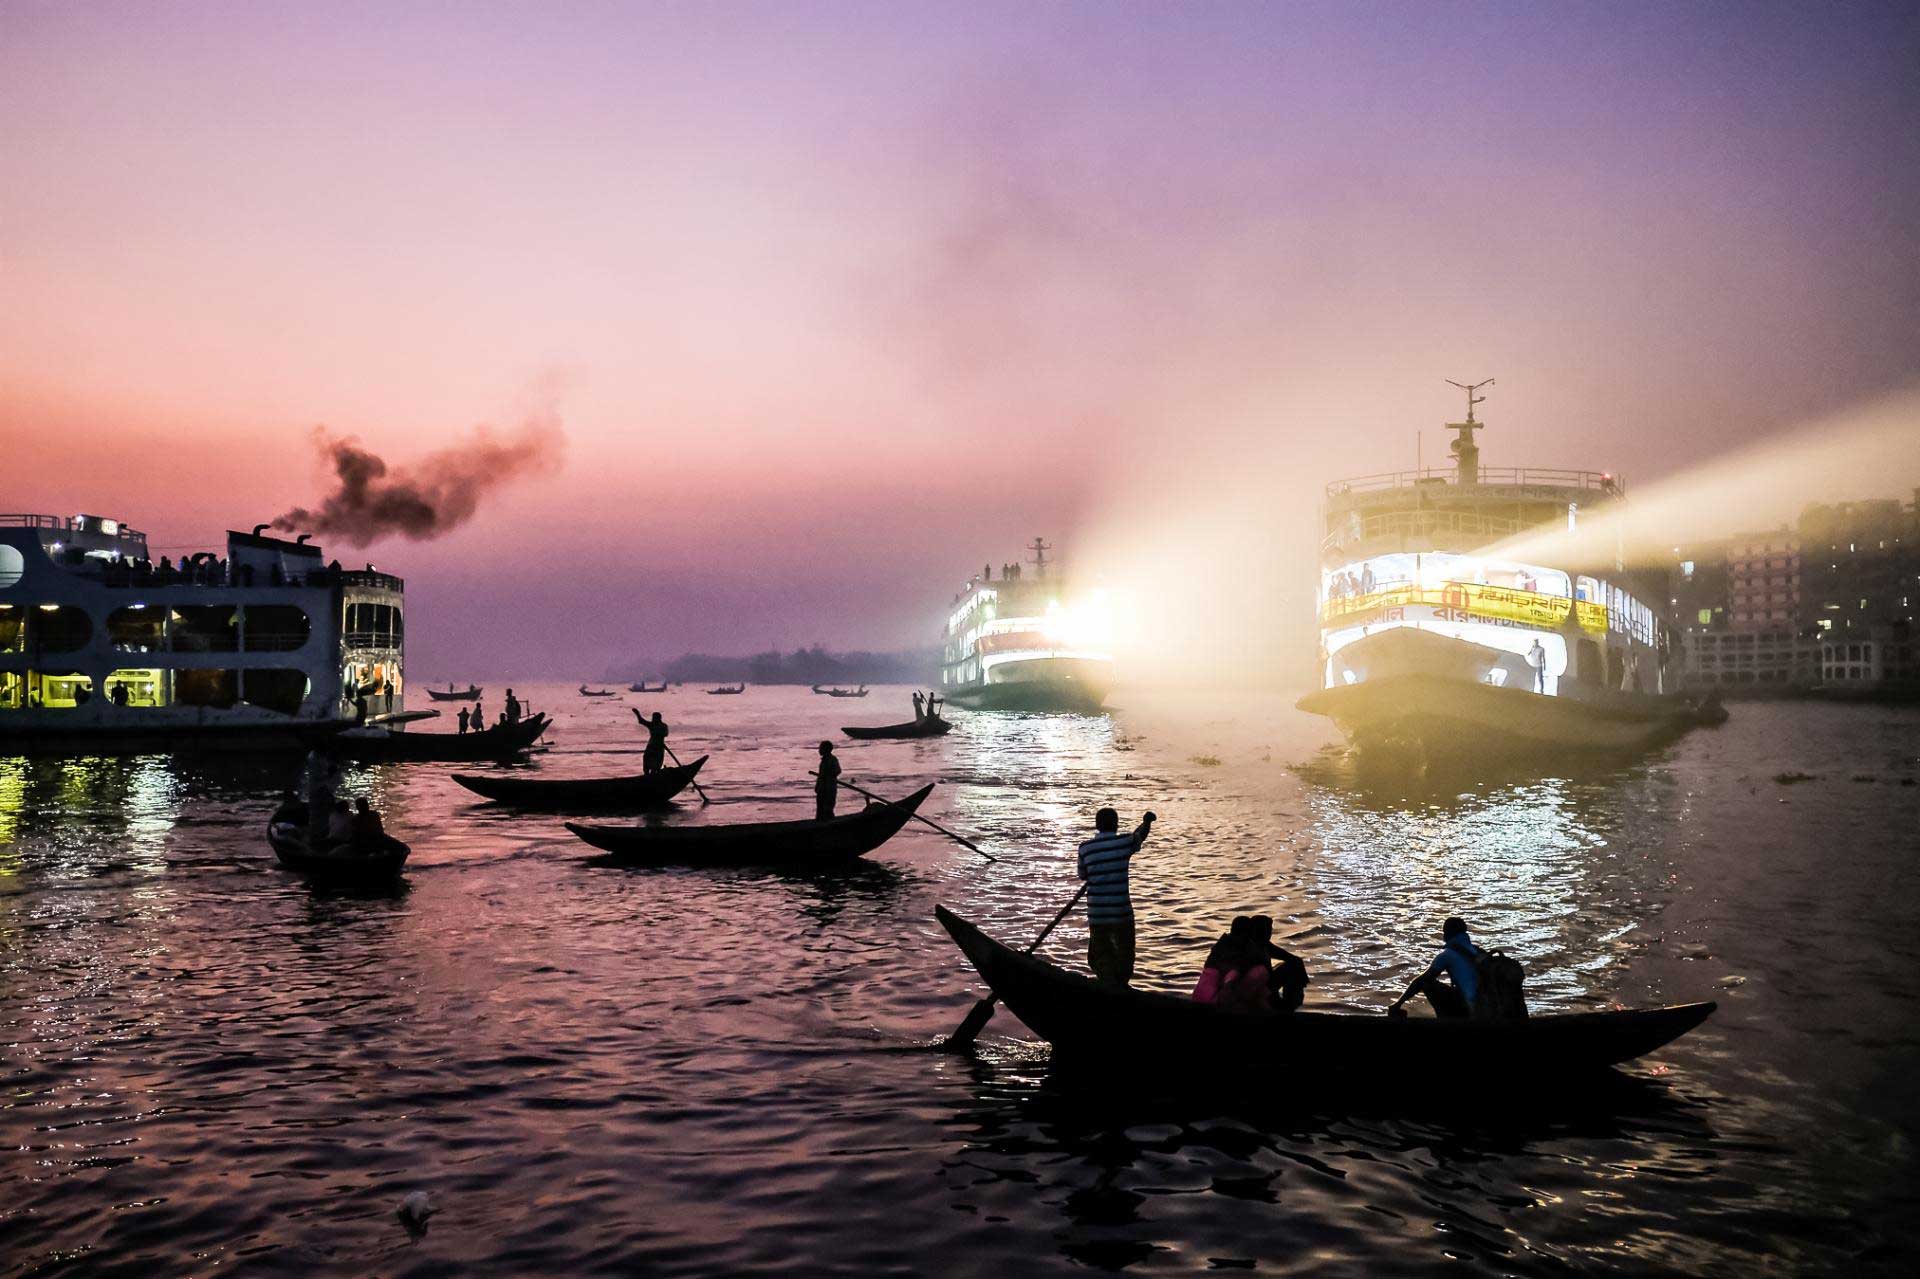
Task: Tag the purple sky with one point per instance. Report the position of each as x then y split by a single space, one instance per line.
838 302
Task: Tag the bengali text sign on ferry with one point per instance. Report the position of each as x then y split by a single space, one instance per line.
1501 604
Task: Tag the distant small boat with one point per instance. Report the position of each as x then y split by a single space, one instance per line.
380 746
471 693
930 726
633 794
723 692
644 687
841 692
287 834
793 845
606 692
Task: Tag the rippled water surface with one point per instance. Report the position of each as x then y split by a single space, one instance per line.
212 1068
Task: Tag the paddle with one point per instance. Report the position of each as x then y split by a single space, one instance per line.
961 840
675 758
982 1011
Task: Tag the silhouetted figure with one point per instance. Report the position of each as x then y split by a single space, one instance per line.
919 706
368 830
513 708
479 717
463 719
1104 863
654 758
120 697
826 786
1287 980
1459 960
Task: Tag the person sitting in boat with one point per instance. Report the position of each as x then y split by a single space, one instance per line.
1227 964
463 719
654 758
368 830
340 823
1458 959
1287 978
826 783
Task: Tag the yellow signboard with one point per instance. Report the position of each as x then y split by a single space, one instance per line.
1503 605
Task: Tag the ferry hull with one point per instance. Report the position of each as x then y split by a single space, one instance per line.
287 737
1423 701
1058 684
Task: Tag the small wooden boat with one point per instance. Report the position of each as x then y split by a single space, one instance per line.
287 833
785 844
726 691
606 692
376 746
1078 1014
471 693
644 687
927 726
841 692
633 794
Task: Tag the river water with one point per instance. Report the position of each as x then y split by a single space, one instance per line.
211 1068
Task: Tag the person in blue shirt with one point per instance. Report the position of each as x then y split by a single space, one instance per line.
1458 960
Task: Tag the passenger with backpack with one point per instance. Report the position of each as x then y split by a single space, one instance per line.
1485 985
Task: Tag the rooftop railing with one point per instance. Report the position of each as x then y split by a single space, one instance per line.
65 524
1521 476
1425 526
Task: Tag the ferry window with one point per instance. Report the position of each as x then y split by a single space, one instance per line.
13 567
13 631
58 690
204 628
13 690
206 688
136 688
276 689
276 628
58 628
137 628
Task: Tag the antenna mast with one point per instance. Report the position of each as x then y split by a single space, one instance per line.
1466 453
1039 547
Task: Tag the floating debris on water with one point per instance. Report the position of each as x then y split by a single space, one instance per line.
1207 761
1730 981
1788 779
414 1211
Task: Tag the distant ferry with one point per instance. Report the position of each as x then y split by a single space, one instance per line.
1028 641
104 651
1435 647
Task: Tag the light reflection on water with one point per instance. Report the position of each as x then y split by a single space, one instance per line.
603 1071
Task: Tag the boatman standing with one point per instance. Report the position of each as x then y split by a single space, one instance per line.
513 708
826 783
654 758
1103 864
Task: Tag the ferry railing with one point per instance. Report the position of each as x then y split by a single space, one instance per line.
1403 525
1543 477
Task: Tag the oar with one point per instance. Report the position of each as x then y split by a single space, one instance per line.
982 1011
962 840
675 758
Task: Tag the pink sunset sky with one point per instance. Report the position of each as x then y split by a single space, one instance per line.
837 302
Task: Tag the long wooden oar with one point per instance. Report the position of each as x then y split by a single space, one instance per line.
961 840
982 1012
675 758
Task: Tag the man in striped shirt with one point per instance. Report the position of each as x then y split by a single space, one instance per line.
1103 864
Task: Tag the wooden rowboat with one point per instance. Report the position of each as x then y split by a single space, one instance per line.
724 692
784 844
608 692
930 726
644 687
287 833
502 741
471 693
633 794
1076 1014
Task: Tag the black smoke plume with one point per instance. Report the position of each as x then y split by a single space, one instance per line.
433 496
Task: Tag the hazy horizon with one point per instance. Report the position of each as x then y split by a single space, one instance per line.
831 305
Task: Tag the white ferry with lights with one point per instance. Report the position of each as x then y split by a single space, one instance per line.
105 651
1028 640
1434 648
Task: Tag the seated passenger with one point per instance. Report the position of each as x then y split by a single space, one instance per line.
1458 959
340 823
368 831
1235 975
1287 980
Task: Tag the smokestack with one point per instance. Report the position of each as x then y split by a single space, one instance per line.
258 529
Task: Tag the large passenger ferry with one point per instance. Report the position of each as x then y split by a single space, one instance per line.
1028 640
102 650
1434 643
